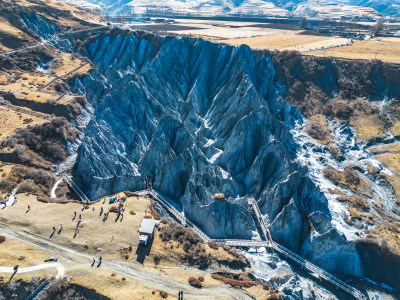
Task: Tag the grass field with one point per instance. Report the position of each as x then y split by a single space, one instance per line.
381 48
11 120
286 42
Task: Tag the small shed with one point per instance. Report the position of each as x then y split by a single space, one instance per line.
148 227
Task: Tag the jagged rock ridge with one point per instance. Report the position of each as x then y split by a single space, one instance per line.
201 118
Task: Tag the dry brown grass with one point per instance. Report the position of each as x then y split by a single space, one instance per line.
348 179
366 120
389 233
389 156
381 48
285 41
11 120
356 214
317 128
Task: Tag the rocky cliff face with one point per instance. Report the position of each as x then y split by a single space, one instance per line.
201 118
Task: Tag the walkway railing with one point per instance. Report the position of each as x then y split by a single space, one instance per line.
268 243
75 187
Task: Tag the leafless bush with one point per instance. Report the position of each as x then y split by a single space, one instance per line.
46 139
27 187
61 289
351 176
157 258
354 201
5 185
153 210
163 294
213 245
342 109
2 238
193 281
317 131
34 281
332 174
190 241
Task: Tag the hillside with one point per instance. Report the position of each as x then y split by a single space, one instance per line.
309 8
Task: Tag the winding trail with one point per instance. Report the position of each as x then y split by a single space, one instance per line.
60 269
53 190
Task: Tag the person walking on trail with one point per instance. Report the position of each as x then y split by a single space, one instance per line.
101 210
54 229
61 227
74 216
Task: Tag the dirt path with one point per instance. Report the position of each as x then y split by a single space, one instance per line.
134 271
58 266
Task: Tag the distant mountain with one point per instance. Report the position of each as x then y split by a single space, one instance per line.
277 7
385 7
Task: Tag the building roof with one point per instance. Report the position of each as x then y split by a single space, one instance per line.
147 226
143 238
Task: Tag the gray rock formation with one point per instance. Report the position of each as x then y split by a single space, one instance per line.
199 118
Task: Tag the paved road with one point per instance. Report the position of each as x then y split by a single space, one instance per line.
58 266
132 270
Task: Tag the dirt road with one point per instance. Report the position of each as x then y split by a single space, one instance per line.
135 271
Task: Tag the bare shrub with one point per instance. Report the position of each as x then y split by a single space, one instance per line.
316 131
34 281
190 241
114 209
351 176
6 185
61 289
332 174
163 294
354 201
201 278
342 110
2 238
157 258
153 210
213 245
46 139
60 88
234 282
27 187
193 281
